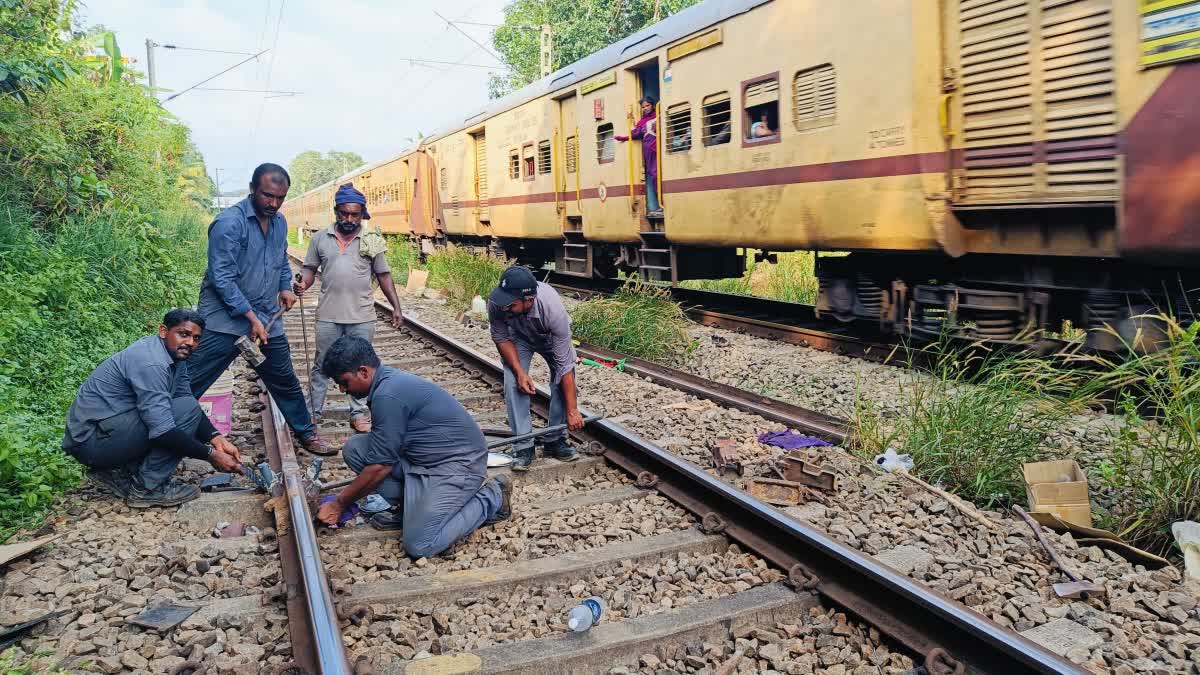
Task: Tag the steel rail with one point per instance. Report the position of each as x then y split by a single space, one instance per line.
313 627
944 633
824 426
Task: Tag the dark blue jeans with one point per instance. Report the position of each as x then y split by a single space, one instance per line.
124 440
217 351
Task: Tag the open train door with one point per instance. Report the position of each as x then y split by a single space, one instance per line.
574 255
424 211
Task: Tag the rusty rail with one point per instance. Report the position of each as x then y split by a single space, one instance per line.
313 628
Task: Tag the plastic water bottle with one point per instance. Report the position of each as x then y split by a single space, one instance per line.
585 615
890 461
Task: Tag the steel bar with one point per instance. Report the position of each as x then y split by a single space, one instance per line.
313 626
916 617
536 433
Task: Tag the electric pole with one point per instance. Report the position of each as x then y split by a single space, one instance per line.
547 50
150 45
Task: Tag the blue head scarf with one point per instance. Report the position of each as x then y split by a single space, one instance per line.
346 194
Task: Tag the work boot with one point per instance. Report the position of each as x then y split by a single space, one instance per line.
315 444
522 459
560 449
171 493
361 425
390 520
505 511
115 481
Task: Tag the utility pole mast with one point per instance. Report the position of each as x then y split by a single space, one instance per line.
547 50
150 45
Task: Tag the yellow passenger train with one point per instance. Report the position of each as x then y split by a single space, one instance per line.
1010 163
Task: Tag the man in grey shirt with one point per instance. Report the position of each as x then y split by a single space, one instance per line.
425 455
348 268
135 418
247 281
528 317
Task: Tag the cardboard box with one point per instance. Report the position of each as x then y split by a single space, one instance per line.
217 403
1059 487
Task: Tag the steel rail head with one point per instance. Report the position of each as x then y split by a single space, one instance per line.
322 633
926 622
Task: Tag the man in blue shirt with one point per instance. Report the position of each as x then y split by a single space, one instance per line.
425 455
247 280
135 418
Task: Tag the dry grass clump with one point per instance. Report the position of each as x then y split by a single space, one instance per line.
639 319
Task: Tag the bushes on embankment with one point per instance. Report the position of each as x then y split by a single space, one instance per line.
101 230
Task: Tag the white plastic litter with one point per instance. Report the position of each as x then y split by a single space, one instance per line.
496 459
585 615
1187 535
373 503
478 308
890 461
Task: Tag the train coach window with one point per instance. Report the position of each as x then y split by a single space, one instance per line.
679 128
717 121
444 181
606 144
543 158
760 105
814 98
514 164
528 161
572 153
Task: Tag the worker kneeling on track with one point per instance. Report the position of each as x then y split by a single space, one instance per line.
424 454
528 317
135 418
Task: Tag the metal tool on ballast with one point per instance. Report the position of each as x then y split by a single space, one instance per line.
498 459
250 351
1077 587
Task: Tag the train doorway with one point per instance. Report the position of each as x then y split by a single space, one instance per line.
648 80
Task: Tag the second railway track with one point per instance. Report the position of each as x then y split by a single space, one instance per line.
696 575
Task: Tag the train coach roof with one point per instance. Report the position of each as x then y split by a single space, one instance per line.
648 39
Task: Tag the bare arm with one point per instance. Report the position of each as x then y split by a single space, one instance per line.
574 419
508 353
388 286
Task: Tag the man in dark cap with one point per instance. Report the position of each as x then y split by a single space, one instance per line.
247 281
528 317
349 264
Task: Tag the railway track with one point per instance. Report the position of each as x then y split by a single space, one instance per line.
694 572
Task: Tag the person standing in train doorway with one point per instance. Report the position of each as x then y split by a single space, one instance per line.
647 130
528 317
350 262
247 282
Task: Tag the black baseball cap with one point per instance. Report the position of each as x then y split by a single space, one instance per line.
515 283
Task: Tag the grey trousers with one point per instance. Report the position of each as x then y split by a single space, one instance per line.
516 402
124 440
327 333
438 510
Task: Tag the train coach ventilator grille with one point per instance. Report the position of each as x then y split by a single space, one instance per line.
814 98
1038 101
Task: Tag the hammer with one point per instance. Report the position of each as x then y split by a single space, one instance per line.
1076 588
249 350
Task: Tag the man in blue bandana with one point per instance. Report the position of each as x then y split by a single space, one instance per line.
349 263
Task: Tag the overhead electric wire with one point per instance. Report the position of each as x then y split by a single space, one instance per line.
468 36
254 56
199 49
253 144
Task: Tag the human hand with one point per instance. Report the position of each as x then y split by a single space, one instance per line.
258 332
330 512
574 419
525 384
221 443
223 461
397 318
287 299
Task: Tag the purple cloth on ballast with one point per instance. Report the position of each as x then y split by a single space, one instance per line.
790 440
347 515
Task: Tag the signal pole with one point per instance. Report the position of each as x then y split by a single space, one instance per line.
547 50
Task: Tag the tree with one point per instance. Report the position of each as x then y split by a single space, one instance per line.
580 27
310 168
33 55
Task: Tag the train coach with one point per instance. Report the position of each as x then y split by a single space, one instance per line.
1002 164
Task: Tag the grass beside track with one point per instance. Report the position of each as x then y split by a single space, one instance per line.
638 319
793 279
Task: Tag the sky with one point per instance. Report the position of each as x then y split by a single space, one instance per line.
347 57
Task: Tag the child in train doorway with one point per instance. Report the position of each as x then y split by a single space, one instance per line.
647 130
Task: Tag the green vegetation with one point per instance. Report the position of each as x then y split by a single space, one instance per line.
403 256
311 169
463 275
973 418
639 319
12 662
792 279
579 29
101 230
